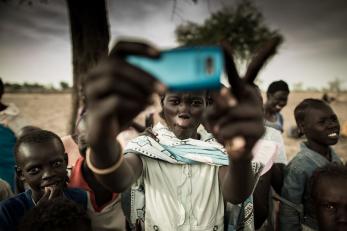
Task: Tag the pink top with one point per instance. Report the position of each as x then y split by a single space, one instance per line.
71 148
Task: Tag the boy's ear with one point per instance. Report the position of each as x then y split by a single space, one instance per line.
301 129
19 173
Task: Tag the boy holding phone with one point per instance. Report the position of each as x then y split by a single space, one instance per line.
172 202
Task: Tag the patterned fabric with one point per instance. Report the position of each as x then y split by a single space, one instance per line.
173 150
167 147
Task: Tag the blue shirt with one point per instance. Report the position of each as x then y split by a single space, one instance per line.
7 162
296 188
13 209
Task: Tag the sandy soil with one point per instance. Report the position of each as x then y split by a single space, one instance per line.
51 111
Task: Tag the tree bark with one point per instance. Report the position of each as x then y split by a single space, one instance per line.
90 36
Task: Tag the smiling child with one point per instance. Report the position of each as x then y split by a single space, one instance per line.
318 122
41 163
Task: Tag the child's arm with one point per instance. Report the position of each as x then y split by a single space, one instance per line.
242 124
293 191
239 119
116 93
277 177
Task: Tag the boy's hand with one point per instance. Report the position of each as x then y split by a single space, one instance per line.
51 192
236 117
118 91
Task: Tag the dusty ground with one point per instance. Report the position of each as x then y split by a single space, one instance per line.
51 111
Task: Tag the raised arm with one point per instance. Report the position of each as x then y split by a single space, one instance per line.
236 120
116 93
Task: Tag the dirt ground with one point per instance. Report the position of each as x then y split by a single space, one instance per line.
51 111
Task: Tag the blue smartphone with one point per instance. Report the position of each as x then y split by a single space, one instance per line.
186 68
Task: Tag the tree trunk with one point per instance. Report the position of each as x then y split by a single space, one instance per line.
89 37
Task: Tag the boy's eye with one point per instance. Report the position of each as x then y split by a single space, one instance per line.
34 171
58 164
330 207
174 101
196 102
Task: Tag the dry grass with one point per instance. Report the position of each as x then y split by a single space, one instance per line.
51 111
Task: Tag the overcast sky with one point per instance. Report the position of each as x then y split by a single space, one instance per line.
35 41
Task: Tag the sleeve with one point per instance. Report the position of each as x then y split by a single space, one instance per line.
11 211
292 191
5 219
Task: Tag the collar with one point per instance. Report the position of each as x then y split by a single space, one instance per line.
317 157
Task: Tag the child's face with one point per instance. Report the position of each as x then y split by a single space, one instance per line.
277 101
183 112
321 126
331 204
42 165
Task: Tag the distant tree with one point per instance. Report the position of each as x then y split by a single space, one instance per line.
242 26
335 85
64 85
298 86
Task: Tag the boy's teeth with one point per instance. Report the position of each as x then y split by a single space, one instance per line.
332 135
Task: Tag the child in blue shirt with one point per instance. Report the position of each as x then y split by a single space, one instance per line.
318 122
41 163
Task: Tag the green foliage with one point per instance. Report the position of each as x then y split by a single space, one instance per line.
64 85
28 87
242 26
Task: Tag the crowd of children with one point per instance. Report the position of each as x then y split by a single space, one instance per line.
176 175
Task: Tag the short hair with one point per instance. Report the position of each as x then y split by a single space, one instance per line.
302 108
38 137
26 130
276 86
331 170
53 215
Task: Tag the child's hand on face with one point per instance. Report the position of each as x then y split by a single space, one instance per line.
118 91
236 117
50 192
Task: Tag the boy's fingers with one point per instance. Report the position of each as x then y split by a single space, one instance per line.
241 113
45 196
258 61
124 48
55 192
107 86
114 71
246 129
233 77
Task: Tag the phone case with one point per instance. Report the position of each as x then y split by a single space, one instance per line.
185 69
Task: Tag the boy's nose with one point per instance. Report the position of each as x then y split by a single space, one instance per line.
183 107
48 173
